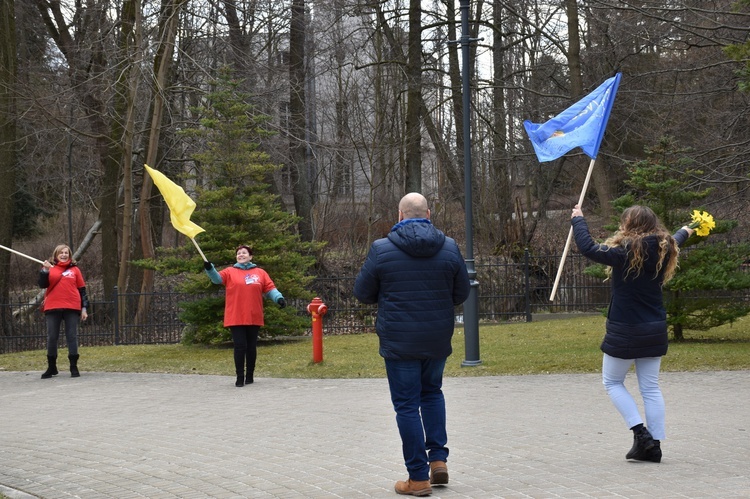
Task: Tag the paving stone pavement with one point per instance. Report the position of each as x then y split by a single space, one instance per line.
190 436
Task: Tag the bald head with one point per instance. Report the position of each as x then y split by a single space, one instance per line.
413 205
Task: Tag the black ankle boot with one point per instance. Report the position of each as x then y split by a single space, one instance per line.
642 443
51 367
240 381
653 454
249 379
74 373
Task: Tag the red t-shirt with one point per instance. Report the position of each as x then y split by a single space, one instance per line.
62 292
244 295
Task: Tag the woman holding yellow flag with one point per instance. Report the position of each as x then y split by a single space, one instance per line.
246 285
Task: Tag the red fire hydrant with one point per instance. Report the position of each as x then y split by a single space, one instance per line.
317 309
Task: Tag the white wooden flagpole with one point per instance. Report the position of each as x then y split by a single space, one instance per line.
199 249
570 232
21 254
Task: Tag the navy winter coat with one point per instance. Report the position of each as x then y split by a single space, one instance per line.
636 319
416 275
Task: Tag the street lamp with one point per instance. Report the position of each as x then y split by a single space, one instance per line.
471 308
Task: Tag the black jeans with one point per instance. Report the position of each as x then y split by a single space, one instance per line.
245 340
54 319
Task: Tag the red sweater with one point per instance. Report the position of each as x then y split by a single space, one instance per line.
62 293
244 295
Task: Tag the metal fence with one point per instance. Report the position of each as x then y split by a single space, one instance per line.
508 291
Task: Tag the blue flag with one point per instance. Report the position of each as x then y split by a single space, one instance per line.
581 125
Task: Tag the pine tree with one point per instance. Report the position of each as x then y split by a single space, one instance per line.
235 206
707 288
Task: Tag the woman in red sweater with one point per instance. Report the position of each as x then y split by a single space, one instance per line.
64 300
246 285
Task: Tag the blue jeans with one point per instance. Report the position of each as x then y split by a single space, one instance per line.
416 387
647 372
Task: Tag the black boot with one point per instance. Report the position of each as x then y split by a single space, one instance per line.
239 367
51 367
653 454
250 360
642 443
74 366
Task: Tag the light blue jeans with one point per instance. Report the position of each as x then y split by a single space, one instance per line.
417 396
614 371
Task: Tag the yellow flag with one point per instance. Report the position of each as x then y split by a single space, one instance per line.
180 204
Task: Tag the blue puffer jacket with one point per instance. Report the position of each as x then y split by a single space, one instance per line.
416 275
636 319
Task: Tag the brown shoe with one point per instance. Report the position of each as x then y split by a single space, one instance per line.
438 473
413 488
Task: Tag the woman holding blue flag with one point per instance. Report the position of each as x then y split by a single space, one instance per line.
246 285
641 257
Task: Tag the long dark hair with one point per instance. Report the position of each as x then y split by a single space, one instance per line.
636 223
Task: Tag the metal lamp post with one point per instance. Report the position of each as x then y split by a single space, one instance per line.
471 308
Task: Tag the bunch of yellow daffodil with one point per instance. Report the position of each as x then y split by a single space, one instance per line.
703 222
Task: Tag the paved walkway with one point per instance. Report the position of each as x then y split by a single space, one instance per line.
189 436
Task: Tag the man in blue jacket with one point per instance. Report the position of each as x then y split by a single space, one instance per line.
417 276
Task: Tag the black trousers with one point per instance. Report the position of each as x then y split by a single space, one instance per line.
54 319
245 340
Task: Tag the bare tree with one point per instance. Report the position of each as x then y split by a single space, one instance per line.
168 24
573 53
500 195
82 44
678 82
127 84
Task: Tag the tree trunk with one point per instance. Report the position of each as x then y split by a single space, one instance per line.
457 93
380 174
298 123
8 144
168 33
130 45
446 162
599 174
499 197
414 100
121 151
237 41
457 102
677 331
